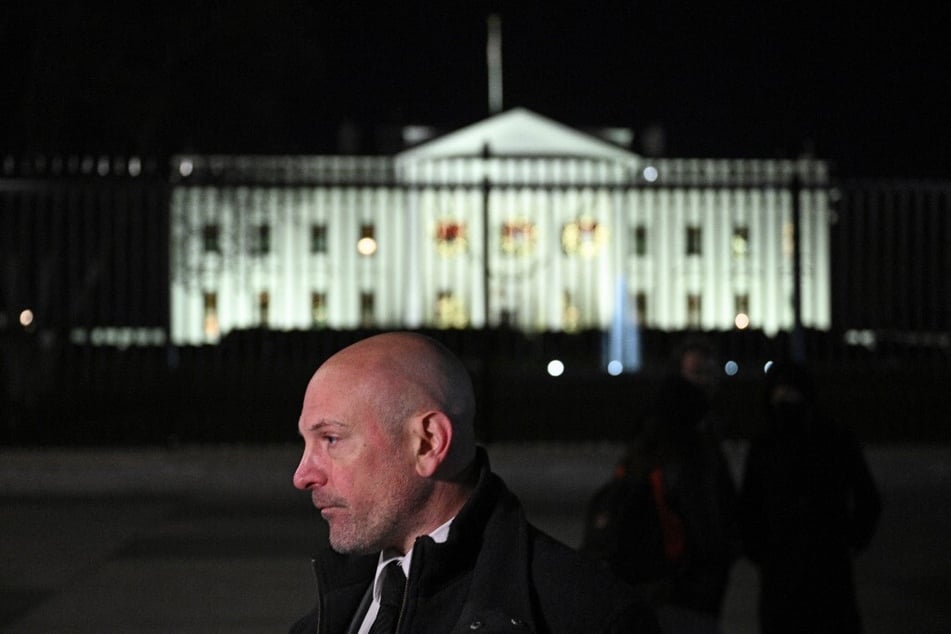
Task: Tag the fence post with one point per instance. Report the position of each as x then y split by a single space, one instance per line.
798 351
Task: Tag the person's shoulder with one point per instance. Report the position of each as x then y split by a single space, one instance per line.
573 587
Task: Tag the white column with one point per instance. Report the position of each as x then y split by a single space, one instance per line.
412 308
607 260
822 314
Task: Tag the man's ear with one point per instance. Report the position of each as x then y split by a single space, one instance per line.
432 433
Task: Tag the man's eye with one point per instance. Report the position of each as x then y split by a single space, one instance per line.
331 440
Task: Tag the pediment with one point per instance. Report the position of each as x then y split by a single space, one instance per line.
517 132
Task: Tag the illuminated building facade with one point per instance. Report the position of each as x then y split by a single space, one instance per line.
513 221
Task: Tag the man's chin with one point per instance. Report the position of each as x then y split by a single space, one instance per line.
356 552
344 546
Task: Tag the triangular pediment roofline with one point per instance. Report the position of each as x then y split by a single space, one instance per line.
517 132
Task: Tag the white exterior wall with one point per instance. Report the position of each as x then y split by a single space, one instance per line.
409 270
530 285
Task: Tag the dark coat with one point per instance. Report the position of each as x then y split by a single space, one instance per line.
495 573
808 504
677 445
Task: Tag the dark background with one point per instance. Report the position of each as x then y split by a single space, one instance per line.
860 84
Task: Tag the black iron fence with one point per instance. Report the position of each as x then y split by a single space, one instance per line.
84 248
891 270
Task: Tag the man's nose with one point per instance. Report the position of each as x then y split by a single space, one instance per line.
309 474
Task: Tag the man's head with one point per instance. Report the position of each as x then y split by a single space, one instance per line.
697 364
790 396
387 425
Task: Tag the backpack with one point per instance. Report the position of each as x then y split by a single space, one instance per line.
632 530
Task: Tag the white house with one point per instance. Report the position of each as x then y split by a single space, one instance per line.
514 220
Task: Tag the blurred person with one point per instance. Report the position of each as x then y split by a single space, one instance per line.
696 363
391 461
667 521
807 505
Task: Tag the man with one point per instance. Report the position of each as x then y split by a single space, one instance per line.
697 364
390 460
808 506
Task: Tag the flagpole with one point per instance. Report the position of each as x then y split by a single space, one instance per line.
493 55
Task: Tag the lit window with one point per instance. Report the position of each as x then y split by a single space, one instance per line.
694 240
318 309
366 245
571 314
210 314
585 237
264 305
694 314
741 303
740 242
450 312
517 237
451 237
789 239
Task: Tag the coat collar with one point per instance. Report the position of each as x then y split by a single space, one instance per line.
489 539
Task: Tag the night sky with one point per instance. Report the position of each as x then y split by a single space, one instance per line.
857 83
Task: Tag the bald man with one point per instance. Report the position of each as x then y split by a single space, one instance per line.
391 462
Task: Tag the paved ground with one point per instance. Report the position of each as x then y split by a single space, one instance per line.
214 539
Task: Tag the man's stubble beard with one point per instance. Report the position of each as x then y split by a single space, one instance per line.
386 523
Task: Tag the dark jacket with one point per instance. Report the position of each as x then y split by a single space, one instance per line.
495 573
674 467
807 506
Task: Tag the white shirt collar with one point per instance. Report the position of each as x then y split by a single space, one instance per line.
439 535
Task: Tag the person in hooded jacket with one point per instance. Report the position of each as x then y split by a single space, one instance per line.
391 462
674 533
666 521
807 505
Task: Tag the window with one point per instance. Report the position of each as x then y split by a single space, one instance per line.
517 237
583 237
210 239
451 237
640 307
366 244
450 312
694 240
318 238
694 315
638 245
264 304
262 240
210 314
571 314
740 242
789 239
741 301
741 304
508 317
367 309
318 309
